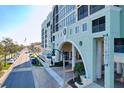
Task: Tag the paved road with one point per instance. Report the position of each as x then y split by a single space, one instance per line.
21 76
24 75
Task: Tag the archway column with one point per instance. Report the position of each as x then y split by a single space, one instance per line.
70 57
57 56
99 59
109 61
73 57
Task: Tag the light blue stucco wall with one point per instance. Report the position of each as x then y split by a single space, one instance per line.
88 48
122 21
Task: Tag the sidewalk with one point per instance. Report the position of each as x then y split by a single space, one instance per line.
43 79
52 73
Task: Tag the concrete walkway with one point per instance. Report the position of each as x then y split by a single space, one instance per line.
43 79
53 73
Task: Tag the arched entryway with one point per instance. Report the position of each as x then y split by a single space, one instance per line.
72 56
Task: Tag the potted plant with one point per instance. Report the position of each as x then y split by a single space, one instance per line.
79 71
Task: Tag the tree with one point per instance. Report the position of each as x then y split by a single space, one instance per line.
1 54
1 49
8 47
6 42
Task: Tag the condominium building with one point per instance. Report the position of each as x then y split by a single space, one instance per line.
93 35
46 32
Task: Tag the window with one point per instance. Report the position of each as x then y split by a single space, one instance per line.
66 55
53 38
61 24
95 8
70 19
98 24
119 45
45 32
56 27
84 27
48 24
69 8
76 29
70 31
53 45
82 12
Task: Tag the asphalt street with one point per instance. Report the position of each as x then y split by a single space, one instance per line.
24 75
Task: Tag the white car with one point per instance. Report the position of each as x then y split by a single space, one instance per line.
11 60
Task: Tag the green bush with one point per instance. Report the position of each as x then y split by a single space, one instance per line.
79 70
1 66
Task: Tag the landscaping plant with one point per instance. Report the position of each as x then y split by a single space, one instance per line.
78 71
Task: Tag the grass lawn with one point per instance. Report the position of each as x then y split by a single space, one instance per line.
1 73
7 66
4 68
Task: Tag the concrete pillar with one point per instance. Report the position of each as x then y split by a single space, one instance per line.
57 56
99 59
73 57
109 61
69 57
123 70
118 68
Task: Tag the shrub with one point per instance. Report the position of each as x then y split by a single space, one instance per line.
1 66
79 70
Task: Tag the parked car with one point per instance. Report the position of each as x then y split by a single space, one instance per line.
11 60
49 55
33 60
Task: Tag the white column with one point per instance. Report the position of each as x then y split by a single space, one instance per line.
57 56
73 57
118 68
69 57
109 61
123 70
99 59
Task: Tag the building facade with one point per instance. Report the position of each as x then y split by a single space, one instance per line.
46 32
93 35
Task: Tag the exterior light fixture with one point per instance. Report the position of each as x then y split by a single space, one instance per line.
80 43
64 31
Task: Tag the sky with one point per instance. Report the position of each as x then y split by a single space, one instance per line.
20 21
